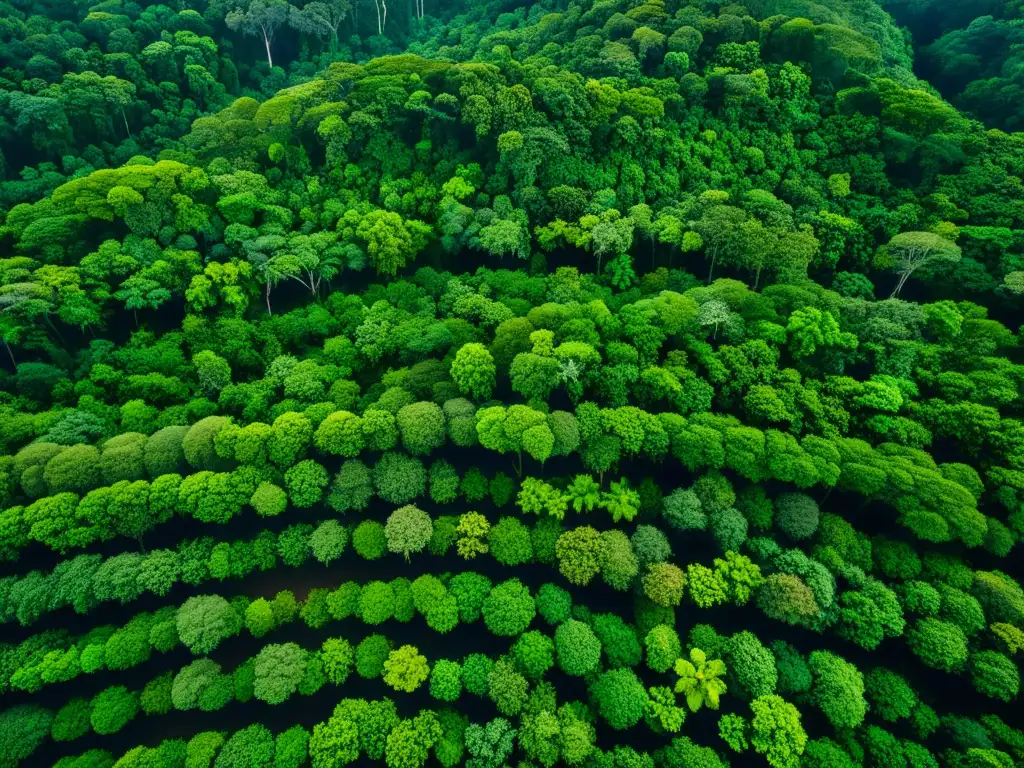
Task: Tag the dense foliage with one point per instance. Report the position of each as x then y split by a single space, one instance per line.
603 384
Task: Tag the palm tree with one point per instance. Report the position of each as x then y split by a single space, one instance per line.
699 680
584 493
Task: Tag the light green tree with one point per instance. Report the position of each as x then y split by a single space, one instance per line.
473 371
909 251
406 669
700 680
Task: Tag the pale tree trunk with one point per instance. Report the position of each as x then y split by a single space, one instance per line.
315 281
312 283
266 42
382 15
126 128
308 286
267 296
913 259
899 285
909 265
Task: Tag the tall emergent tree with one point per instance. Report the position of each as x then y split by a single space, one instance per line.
259 17
909 251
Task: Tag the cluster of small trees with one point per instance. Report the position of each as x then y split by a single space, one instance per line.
281 670
762 676
578 646
940 606
275 674
934 505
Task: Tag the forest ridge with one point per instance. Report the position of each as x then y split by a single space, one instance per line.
606 384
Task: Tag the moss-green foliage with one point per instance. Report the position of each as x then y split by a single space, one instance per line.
837 689
371 653
619 697
938 644
509 608
644 309
662 648
203 622
369 539
751 665
476 669
72 721
776 731
578 648
553 603
889 694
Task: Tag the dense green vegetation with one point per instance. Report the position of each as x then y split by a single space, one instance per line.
971 52
609 384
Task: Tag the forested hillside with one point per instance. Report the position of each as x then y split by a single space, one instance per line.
971 52
607 384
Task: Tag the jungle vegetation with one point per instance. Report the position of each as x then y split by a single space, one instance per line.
619 384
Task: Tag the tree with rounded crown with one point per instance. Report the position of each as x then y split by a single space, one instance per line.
505 430
408 529
908 251
776 731
473 371
406 669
